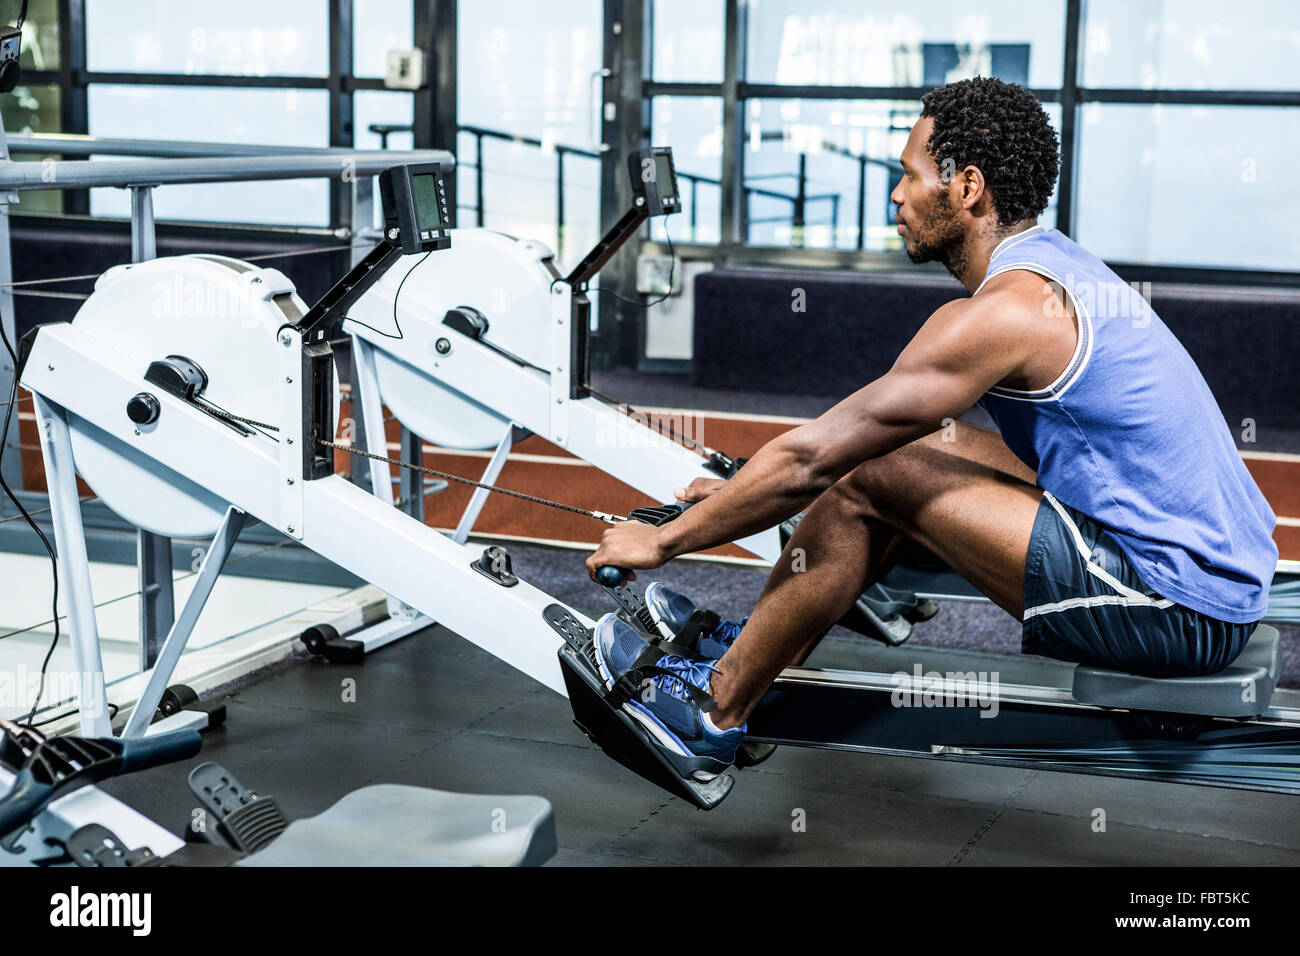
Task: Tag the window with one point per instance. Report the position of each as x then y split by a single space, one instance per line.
40 36
370 107
687 41
887 43
1190 185
377 27
1192 44
33 109
813 167
527 87
218 114
234 37
692 126
818 173
202 46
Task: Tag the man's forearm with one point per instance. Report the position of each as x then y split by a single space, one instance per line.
774 485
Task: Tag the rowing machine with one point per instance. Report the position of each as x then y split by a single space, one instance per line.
223 439
195 392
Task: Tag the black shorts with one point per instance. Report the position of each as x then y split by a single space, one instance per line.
1084 603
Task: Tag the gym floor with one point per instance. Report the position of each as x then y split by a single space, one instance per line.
435 711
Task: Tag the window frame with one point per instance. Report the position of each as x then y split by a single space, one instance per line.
1071 96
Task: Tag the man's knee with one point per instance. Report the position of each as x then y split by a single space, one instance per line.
876 488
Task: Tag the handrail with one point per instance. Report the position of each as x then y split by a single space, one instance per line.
198 165
72 144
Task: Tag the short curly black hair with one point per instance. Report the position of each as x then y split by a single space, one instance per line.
1001 129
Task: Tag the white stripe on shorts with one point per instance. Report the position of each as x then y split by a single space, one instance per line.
1124 596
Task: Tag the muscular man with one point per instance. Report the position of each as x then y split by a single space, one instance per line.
1112 515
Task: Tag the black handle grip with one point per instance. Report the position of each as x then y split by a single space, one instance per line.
141 753
612 577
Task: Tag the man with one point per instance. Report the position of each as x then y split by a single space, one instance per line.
1112 514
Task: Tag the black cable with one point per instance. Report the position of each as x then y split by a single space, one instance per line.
112 715
22 16
672 269
54 564
396 295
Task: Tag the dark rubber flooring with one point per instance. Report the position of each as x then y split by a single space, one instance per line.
435 711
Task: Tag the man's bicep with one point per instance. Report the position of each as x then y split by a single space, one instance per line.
962 351
944 370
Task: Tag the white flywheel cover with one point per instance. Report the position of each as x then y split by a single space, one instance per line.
220 313
507 279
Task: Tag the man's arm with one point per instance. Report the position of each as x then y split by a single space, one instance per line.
963 349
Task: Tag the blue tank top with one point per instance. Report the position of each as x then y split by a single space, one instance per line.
1130 435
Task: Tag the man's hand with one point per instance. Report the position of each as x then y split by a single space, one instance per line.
629 544
699 489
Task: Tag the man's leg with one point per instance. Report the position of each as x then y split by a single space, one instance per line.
964 441
974 516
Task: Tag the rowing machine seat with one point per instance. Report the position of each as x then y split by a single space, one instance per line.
1242 689
395 825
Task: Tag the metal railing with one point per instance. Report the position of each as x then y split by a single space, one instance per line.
172 162
802 198
799 200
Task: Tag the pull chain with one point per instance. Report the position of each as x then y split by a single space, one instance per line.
598 515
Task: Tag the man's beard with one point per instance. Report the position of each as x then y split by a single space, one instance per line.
946 242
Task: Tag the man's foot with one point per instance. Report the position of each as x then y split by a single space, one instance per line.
667 708
674 609
669 607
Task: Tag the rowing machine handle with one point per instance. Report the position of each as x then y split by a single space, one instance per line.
141 753
612 577
23 801
32 791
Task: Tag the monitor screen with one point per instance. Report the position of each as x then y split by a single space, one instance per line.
424 191
664 177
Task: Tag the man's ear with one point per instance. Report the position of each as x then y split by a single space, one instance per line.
972 184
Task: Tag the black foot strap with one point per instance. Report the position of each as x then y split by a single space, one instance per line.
633 682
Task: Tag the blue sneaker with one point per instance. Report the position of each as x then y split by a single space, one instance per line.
666 708
668 607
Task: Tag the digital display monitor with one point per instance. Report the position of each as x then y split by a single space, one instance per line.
654 180
424 190
666 178
416 216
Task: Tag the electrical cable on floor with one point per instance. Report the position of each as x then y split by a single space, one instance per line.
49 549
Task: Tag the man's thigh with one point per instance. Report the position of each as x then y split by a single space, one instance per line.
976 517
979 444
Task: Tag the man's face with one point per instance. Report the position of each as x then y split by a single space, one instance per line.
928 221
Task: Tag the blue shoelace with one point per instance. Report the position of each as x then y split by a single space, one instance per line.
727 631
697 672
